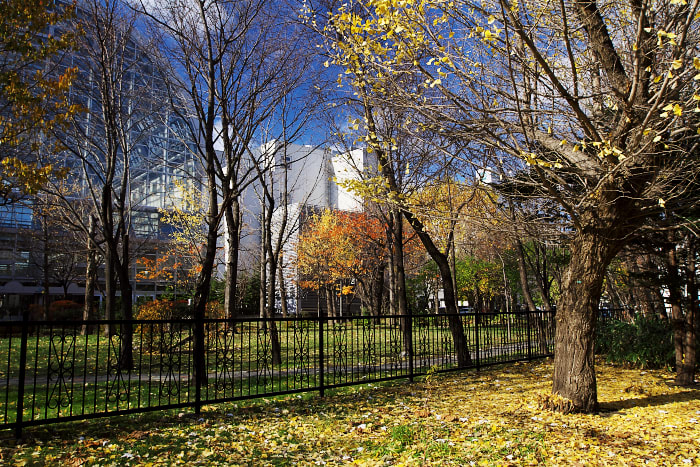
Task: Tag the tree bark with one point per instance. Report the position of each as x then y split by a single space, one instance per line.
400 279
126 360
677 318
574 370
686 372
283 289
275 346
534 314
45 266
233 220
90 275
459 339
522 270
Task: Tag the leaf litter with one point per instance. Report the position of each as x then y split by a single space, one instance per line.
492 417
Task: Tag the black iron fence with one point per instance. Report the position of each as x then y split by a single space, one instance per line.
60 371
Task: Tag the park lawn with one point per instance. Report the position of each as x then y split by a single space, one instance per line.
492 417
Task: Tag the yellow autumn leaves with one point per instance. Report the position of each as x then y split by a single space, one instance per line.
489 418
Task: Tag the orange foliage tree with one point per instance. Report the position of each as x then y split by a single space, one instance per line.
173 266
179 261
342 253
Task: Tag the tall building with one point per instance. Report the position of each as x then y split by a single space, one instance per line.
305 180
160 153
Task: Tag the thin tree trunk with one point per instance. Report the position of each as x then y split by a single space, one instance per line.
330 309
459 339
45 267
400 279
283 289
392 272
126 360
533 314
232 214
377 293
109 290
203 283
90 275
436 295
522 270
275 346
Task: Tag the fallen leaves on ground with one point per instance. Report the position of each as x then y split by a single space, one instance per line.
492 417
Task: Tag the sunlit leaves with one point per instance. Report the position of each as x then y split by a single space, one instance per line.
179 260
338 245
30 100
492 417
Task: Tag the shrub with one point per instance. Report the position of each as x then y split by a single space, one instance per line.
65 310
36 311
644 342
215 310
160 336
163 309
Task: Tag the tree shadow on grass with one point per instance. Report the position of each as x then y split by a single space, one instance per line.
153 424
650 401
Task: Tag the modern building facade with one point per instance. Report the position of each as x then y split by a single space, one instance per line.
159 154
305 180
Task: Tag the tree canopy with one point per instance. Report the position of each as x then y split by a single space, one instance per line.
33 93
589 104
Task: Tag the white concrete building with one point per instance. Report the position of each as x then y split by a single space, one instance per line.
304 179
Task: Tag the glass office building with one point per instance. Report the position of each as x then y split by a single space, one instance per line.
160 152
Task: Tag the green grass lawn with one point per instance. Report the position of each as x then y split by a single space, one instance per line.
95 353
492 417
68 374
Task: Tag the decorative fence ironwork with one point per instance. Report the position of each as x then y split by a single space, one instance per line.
71 370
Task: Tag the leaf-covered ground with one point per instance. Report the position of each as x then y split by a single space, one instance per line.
492 417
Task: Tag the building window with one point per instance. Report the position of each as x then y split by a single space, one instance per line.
15 215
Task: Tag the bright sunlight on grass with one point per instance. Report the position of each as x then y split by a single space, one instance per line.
493 417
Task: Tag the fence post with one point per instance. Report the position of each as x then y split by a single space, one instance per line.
529 337
22 374
476 339
321 370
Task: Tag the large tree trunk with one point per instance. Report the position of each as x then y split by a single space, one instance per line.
677 318
574 372
686 372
